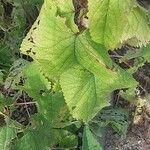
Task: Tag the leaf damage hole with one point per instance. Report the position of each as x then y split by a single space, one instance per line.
33 53
34 28
31 39
38 22
29 51
73 107
42 92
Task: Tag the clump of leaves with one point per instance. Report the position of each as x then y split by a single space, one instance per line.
72 76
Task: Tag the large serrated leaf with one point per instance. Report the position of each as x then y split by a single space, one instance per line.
86 93
81 93
53 46
112 22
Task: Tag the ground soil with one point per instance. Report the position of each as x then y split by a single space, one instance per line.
137 138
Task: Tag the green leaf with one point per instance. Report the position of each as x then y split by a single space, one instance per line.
89 141
52 106
7 134
112 22
32 139
68 140
95 59
27 142
82 93
140 56
6 57
55 55
42 129
129 94
142 52
15 78
118 118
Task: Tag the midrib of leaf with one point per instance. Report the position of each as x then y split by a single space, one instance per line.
93 53
62 64
105 21
55 44
96 58
96 97
87 90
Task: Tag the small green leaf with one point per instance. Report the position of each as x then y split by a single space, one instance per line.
15 78
7 134
52 106
89 141
6 57
140 56
129 94
68 140
142 52
40 137
27 142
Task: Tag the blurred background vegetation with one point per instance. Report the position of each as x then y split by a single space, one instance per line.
16 18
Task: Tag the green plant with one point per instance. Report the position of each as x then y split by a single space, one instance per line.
72 77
